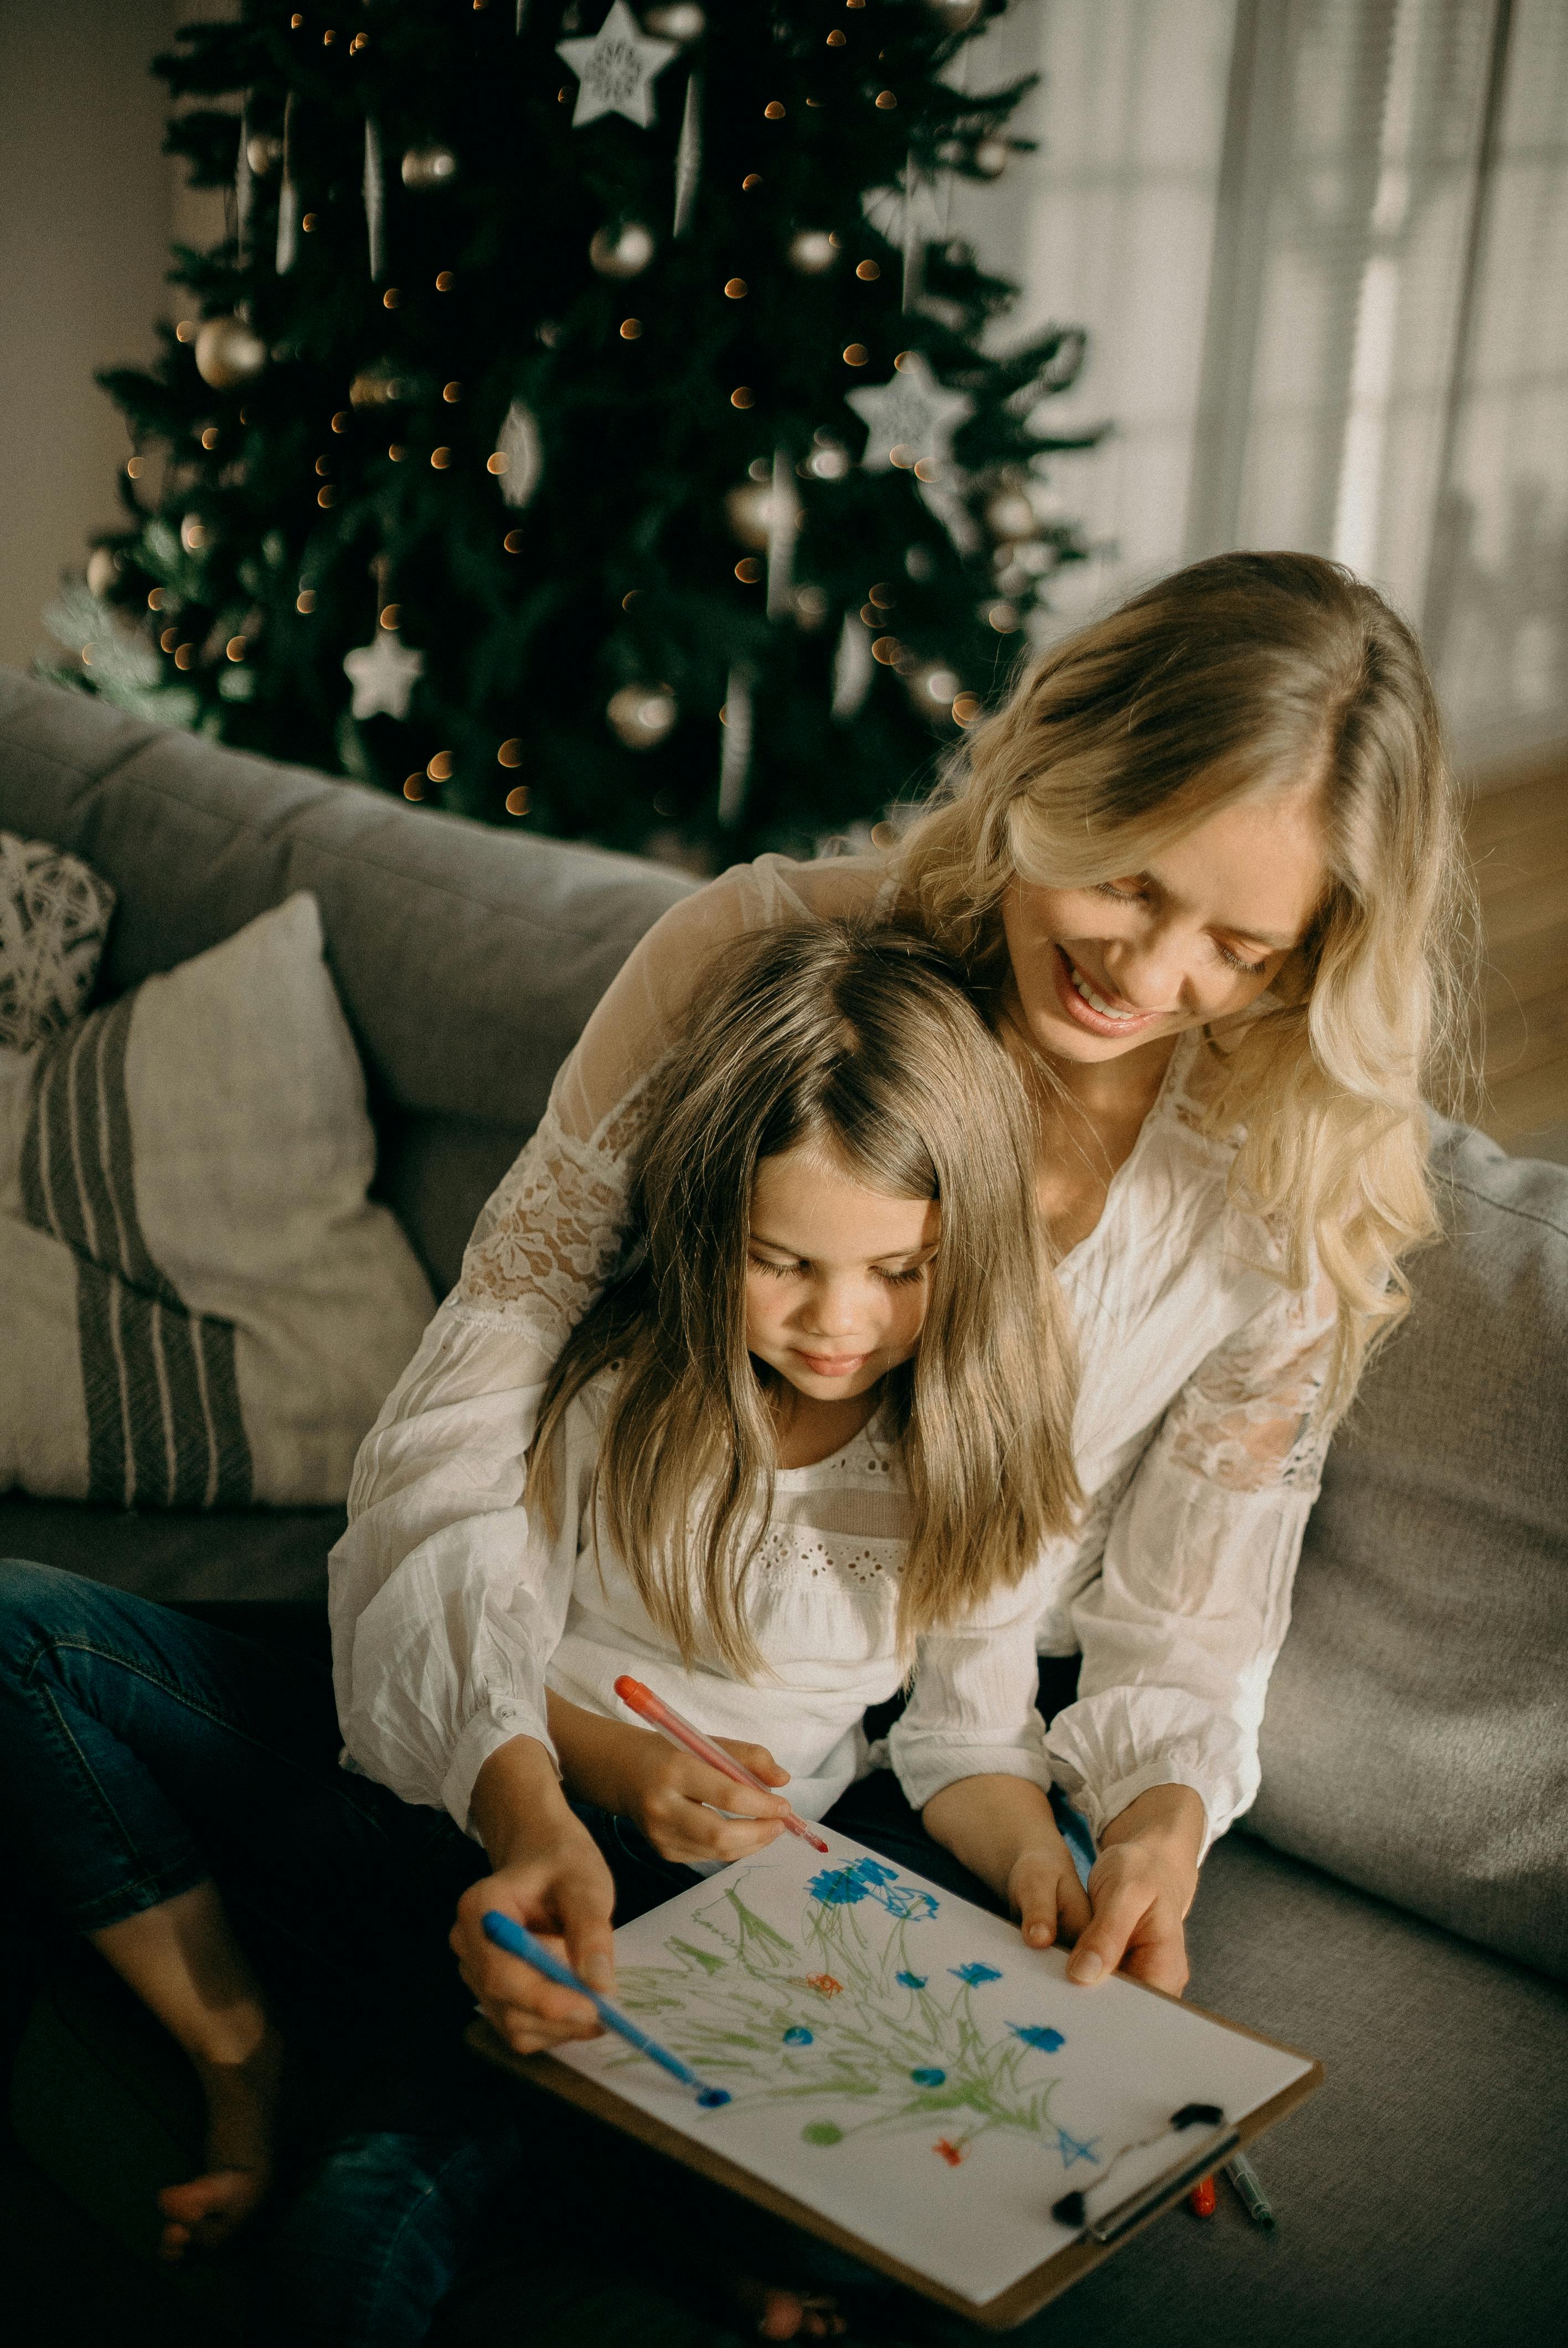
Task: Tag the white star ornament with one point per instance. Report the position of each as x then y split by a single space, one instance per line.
616 70
382 674
910 419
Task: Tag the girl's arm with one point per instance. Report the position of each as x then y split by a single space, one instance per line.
422 1649
674 1799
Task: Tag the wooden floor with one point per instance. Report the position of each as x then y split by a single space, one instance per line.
1518 838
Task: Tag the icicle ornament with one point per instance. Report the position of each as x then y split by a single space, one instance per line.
689 156
244 189
521 454
784 520
736 757
852 668
374 201
288 196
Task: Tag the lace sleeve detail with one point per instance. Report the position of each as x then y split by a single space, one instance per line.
544 1244
1251 1415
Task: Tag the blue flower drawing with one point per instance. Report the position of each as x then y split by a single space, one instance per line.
798 2036
1036 2033
913 1981
868 1879
972 1975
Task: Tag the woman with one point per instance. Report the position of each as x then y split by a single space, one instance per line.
1204 871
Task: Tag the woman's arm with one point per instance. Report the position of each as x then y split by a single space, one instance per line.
1180 1632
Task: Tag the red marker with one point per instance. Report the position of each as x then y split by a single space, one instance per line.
1203 2199
658 1714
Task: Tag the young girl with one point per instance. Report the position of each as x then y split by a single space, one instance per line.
813 1435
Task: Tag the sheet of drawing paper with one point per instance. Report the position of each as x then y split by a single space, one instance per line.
898 2060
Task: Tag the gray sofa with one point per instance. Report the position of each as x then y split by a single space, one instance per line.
1397 1904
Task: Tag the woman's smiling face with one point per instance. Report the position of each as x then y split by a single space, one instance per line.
1197 936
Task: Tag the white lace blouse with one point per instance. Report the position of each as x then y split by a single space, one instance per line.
820 1596
1199 1439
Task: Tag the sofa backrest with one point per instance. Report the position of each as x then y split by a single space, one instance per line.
467 958
1416 1736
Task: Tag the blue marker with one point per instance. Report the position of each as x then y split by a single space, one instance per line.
519 1942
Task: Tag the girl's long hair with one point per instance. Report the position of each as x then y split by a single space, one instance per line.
862 1045
1240 673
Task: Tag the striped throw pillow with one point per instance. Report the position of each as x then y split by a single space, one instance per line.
207 1309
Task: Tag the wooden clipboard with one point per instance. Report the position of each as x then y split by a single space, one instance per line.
1021 2298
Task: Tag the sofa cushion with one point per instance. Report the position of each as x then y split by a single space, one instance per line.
204 1308
467 958
1416 1736
53 919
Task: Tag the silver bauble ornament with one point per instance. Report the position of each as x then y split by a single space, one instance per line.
623 252
811 251
228 353
681 21
1010 515
641 715
428 166
749 512
933 689
103 569
992 156
263 153
954 15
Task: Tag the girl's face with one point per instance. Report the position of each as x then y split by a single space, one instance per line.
837 1276
1195 937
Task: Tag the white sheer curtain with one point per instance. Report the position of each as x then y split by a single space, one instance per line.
1321 247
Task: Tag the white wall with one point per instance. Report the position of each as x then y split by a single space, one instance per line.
88 205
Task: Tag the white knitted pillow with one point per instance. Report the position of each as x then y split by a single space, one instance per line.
202 1307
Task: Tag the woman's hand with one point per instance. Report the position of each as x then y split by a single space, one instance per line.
1140 1889
549 1876
672 1795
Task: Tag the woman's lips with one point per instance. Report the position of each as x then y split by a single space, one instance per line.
831 1365
1098 1022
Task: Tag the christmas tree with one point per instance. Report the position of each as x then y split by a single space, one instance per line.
589 418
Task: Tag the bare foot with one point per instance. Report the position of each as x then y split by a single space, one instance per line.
208 2211
781 2314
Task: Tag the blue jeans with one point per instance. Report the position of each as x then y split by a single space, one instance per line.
142 1752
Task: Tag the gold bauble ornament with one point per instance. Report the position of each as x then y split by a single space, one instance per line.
641 715
428 166
933 688
623 252
682 21
228 353
194 533
811 251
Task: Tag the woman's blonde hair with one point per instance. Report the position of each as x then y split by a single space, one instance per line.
863 1045
1235 675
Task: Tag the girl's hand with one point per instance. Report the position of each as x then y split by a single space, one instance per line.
676 1800
1140 1889
672 1795
550 1877
1045 1895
